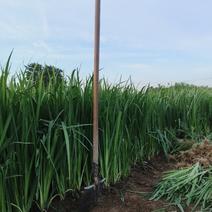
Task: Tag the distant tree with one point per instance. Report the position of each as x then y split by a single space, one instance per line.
34 72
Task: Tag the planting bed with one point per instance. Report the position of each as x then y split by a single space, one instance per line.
128 195
133 193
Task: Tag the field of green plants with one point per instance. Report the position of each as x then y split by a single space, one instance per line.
46 132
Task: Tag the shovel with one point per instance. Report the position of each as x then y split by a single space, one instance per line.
91 193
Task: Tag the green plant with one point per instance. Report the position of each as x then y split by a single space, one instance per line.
46 132
192 185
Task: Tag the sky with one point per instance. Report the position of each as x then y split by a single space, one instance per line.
151 41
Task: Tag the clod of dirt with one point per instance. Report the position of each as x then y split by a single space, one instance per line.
201 153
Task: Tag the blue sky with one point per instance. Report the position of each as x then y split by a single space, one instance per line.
153 41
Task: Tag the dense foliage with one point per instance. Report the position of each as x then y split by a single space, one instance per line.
46 132
36 71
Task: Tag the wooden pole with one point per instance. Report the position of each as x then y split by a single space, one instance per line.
96 93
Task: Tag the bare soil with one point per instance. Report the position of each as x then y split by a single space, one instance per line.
131 195
201 153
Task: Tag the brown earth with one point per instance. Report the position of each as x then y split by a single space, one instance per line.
201 153
131 195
